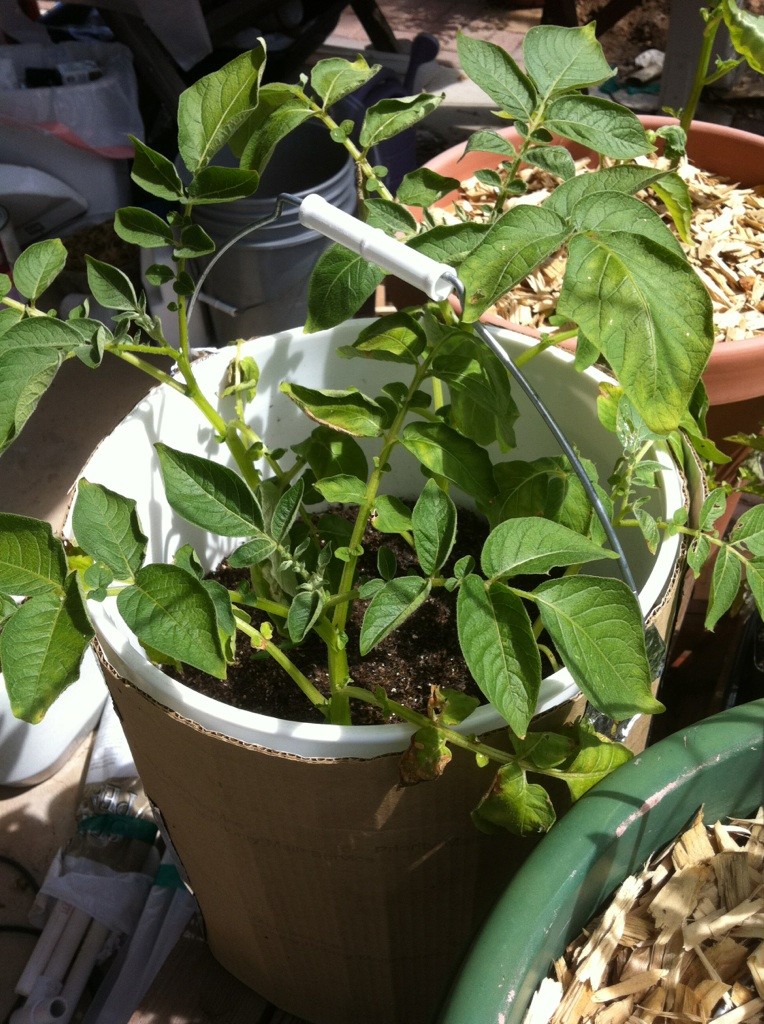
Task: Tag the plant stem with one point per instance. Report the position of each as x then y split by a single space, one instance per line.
423 722
547 341
259 641
148 368
714 20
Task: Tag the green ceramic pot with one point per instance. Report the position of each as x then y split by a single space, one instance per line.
609 834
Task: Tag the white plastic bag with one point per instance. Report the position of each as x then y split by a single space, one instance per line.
96 115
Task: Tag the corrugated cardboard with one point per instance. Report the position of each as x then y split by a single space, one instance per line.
323 885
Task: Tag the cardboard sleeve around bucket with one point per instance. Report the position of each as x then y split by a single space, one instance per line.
323 885
264 277
338 896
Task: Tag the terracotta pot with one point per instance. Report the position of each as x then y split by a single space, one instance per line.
734 377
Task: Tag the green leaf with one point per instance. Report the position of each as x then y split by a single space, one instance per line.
496 638
188 559
222 184
454 706
208 494
746 33
221 599
754 571
444 452
155 174
211 110
304 612
390 217
649 528
555 160
513 246
386 563
339 285
714 506
625 179
331 454
749 530
25 375
547 488
390 117
425 187
514 805
280 109
171 611
606 212
348 411
482 406
32 560
9 317
106 525
159 274
434 524
697 554
592 763
335 78
38 266
390 515
485 141
342 489
597 627
253 552
497 74
141 227
390 607
674 193
656 346
194 241
425 759
561 59
544 750
725 583
5 285
41 648
286 511
110 286
397 338
450 243
532 545
606 127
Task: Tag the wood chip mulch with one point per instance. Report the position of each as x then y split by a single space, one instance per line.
681 941
727 249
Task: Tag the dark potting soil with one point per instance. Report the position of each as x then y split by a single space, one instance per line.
424 651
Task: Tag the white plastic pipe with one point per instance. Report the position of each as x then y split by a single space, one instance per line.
82 967
46 943
434 279
68 944
45 1005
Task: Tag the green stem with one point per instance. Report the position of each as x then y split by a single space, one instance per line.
358 156
547 341
423 722
259 641
147 368
713 22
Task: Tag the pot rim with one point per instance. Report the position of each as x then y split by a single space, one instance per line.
319 740
607 835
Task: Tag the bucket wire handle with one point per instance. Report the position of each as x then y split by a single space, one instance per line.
438 281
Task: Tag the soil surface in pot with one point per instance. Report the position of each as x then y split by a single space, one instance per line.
423 652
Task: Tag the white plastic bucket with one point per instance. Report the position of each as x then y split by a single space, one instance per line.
126 462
